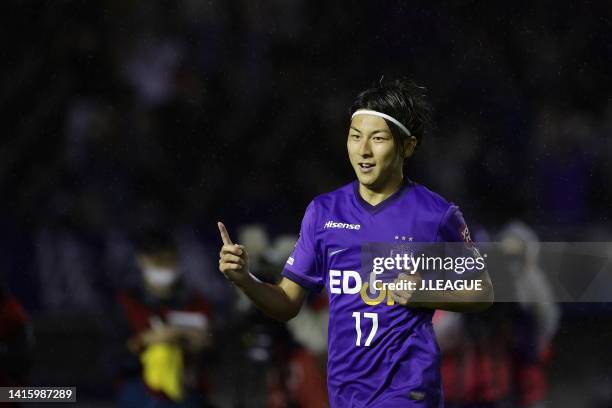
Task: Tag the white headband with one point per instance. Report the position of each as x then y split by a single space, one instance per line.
384 116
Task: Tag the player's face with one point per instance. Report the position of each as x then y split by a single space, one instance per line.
373 152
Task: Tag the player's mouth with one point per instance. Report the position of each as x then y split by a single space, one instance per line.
366 167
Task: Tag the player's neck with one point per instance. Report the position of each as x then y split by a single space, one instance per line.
375 196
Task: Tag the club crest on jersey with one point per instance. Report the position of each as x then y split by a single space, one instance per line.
341 225
464 232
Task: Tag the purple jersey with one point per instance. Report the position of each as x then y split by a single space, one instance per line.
380 354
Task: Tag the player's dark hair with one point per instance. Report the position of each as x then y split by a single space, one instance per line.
403 100
151 241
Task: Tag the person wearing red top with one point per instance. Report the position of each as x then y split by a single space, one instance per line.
14 341
169 330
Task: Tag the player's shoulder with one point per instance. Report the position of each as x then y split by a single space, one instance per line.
341 193
431 200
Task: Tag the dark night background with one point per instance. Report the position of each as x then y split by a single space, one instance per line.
123 113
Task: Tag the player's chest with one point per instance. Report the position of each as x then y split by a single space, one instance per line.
345 243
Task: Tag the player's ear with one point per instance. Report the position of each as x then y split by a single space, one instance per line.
409 146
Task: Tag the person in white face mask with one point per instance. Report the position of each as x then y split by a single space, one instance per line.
160 272
170 329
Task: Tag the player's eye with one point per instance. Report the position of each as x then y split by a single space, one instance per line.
354 136
378 138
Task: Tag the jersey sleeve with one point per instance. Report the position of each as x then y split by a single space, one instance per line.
302 266
453 228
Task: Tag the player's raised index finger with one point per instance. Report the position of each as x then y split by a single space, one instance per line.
224 235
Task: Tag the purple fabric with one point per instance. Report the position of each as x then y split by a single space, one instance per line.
401 364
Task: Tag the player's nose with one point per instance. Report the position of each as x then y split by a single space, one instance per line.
365 148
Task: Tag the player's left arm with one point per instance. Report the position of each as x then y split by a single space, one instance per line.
452 229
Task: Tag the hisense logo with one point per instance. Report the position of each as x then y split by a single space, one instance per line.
344 225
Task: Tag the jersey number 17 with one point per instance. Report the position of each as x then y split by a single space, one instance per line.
367 315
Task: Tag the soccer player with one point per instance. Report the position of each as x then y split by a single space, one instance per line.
380 353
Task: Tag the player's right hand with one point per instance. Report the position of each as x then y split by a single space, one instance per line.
233 258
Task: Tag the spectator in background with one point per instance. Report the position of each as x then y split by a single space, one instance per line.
296 354
540 313
304 384
14 341
498 358
169 330
477 351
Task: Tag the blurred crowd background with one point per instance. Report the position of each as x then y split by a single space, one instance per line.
125 116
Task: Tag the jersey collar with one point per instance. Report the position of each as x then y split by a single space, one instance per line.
406 185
